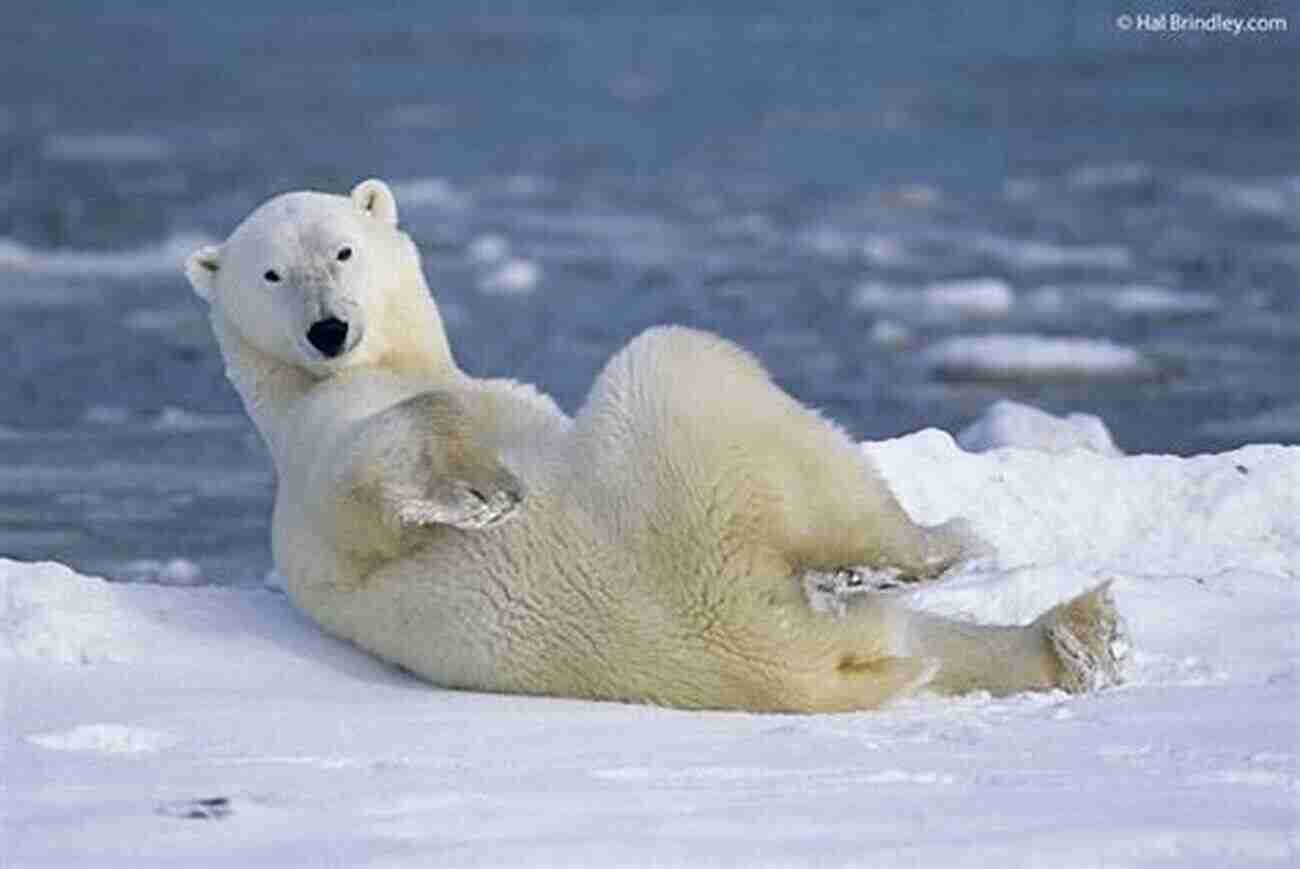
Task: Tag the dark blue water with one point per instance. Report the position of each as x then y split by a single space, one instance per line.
794 176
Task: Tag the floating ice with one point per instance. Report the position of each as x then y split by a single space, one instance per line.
970 297
1030 254
889 333
829 241
179 419
1277 197
418 116
1012 424
165 257
107 414
1110 176
915 195
175 571
985 297
429 192
1035 358
884 250
1281 423
106 148
514 277
1126 299
165 320
488 249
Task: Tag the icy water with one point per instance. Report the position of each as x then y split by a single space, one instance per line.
852 191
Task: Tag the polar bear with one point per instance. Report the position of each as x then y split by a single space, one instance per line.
693 537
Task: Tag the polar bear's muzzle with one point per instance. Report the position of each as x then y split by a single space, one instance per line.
330 336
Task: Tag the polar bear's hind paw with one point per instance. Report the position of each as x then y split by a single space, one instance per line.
1090 639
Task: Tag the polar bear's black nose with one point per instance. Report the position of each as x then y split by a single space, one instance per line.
328 335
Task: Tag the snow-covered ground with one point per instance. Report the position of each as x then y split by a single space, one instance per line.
200 726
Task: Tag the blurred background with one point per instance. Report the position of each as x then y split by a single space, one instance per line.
907 213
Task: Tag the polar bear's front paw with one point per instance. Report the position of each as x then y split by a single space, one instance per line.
828 591
465 506
1090 640
423 462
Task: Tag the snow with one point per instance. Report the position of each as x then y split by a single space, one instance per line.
105 739
204 726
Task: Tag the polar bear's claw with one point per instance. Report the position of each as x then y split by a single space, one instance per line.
488 510
1090 639
828 591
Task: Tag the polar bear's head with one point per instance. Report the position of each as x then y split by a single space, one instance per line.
307 277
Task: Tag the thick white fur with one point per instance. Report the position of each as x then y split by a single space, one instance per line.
658 550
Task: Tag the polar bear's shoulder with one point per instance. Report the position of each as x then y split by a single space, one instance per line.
519 415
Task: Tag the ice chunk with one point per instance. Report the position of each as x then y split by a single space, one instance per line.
1033 357
1012 424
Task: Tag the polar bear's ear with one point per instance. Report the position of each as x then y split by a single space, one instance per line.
201 268
375 198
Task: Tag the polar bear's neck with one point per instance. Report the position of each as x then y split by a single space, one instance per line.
271 389
267 386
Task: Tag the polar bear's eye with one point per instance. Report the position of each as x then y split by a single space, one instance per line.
271 275
345 254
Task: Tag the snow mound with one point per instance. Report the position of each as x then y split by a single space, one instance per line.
1154 515
54 614
1029 357
1012 424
